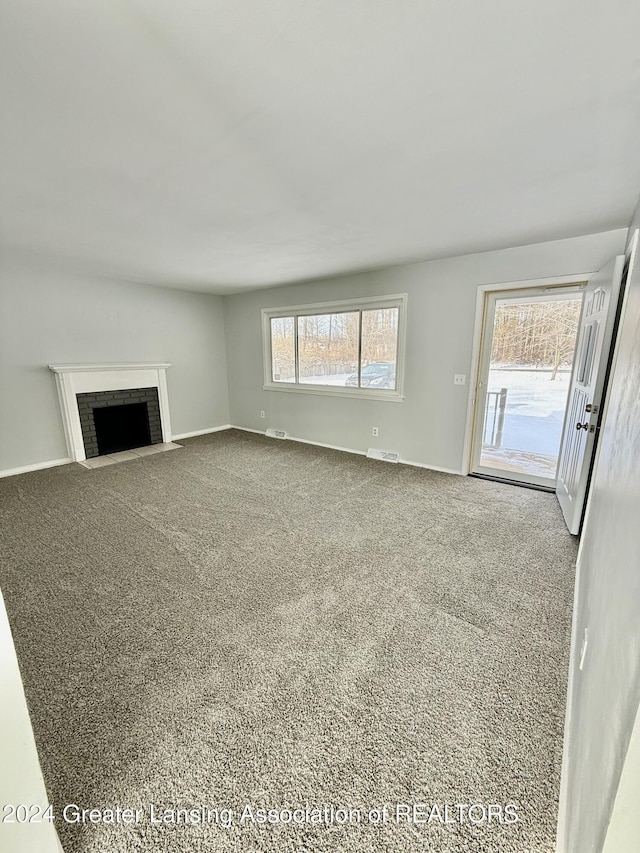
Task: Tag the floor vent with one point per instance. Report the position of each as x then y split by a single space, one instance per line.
276 433
383 455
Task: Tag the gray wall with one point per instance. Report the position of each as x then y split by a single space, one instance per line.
48 317
428 427
604 696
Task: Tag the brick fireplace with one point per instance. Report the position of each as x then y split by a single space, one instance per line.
111 407
119 420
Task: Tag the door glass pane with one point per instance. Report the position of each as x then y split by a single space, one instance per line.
588 349
283 349
328 348
379 348
529 373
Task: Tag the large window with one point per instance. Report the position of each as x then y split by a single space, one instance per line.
352 348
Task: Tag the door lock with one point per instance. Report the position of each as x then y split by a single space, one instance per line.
591 407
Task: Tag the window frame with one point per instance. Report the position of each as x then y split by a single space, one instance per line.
395 300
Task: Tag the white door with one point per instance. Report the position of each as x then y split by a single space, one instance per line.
587 389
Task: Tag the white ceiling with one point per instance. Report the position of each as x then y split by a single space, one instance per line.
230 145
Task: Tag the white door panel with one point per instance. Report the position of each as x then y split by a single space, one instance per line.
586 391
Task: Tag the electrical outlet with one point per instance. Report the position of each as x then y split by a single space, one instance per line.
261 414
374 431
459 379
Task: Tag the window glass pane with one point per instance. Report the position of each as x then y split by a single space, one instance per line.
283 349
328 349
379 348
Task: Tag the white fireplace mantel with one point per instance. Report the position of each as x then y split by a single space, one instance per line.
74 379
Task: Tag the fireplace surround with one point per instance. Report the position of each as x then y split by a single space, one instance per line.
84 388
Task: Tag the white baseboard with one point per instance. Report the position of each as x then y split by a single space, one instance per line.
247 429
36 466
432 467
351 450
306 441
200 432
328 446
52 463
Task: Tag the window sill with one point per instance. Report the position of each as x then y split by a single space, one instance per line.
337 391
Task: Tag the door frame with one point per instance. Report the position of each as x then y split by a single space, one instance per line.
529 294
474 376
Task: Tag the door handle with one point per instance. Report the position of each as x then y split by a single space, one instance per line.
582 426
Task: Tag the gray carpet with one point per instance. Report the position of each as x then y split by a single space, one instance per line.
250 621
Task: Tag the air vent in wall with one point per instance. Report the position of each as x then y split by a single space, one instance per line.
383 455
276 433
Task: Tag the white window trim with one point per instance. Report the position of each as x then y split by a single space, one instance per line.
395 300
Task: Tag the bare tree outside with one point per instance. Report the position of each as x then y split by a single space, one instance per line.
329 346
536 334
532 352
379 335
283 349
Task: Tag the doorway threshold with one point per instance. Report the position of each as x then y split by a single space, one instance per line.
549 489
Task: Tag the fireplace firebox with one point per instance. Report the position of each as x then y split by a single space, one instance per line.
119 420
121 427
